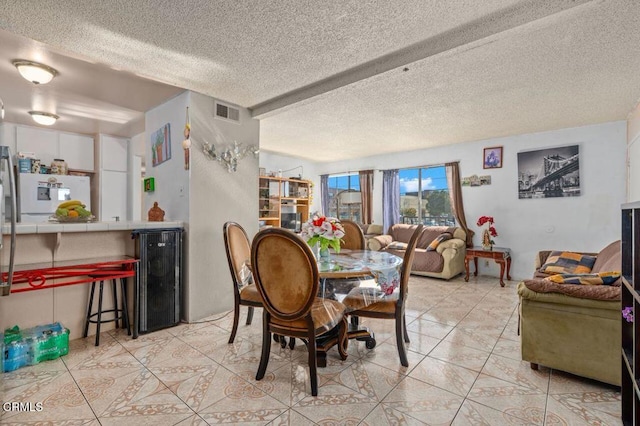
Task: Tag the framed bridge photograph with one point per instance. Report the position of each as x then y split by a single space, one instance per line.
551 172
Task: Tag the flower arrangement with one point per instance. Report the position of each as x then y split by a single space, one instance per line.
488 233
627 313
327 231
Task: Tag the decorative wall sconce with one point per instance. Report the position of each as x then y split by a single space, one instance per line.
230 156
1 109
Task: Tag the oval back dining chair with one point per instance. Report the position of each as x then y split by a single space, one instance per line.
286 274
245 293
353 236
392 306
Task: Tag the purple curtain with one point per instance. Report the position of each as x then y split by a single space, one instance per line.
390 198
324 194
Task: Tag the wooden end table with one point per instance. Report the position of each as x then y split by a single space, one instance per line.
501 255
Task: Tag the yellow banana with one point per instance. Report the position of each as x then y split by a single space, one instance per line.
70 203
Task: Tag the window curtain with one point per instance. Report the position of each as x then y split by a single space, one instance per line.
455 194
324 194
390 198
366 192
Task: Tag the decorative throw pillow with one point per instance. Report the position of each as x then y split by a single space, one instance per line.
602 278
397 245
565 262
433 245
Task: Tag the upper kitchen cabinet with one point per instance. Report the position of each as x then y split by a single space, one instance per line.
47 145
43 143
77 151
114 153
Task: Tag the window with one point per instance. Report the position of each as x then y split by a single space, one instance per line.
424 196
344 197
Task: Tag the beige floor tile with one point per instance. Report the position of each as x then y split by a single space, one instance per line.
445 375
243 403
472 338
430 328
562 382
474 414
384 415
369 378
339 414
516 371
445 315
584 408
194 420
421 343
523 402
59 397
292 418
423 401
386 355
508 348
461 355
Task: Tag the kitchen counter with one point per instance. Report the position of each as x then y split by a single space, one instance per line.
50 228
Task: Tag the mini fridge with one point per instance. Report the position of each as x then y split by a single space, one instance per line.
159 281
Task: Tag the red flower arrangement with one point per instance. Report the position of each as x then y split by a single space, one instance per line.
491 230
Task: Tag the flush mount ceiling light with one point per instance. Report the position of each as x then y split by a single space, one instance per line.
35 72
44 118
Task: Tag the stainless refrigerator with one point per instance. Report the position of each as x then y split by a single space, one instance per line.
7 196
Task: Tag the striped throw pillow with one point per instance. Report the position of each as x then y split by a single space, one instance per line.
566 262
440 238
601 278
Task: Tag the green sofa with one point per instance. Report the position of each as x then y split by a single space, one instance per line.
578 335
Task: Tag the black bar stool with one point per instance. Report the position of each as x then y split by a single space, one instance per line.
120 315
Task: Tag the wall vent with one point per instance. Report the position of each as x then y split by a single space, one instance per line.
227 112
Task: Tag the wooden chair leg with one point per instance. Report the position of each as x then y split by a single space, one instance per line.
400 342
236 316
313 367
343 339
249 315
266 346
404 327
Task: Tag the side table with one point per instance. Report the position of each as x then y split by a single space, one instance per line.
501 255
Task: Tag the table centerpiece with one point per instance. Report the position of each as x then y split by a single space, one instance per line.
325 232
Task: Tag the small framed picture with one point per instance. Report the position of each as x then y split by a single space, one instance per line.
492 158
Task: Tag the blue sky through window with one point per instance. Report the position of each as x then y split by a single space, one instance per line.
432 178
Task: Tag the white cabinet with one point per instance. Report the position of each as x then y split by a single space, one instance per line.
113 188
114 153
43 143
77 151
113 195
47 145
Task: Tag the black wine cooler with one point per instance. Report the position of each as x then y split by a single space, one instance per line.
160 275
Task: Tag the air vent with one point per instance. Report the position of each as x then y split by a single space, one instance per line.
227 113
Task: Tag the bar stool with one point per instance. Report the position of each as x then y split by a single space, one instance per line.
119 314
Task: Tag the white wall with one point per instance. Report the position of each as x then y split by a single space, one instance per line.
586 223
205 196
633 155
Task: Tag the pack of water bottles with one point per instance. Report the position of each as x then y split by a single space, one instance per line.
32 345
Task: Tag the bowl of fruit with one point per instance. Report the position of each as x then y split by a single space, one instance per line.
73 211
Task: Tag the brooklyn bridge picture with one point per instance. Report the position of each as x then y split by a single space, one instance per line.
546 173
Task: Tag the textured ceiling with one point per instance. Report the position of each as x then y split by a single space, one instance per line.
343 79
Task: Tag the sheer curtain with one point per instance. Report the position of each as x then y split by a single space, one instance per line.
455 193
366 191
390 198
324 194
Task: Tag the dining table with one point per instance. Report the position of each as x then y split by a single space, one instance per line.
370 276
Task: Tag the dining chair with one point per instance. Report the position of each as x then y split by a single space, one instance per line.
286 274
353 236
245 293
391 306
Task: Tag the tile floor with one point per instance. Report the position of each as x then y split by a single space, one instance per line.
465 369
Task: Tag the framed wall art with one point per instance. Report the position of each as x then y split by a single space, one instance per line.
161 145
492 157
551 172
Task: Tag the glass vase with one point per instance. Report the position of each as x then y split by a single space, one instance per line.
324 255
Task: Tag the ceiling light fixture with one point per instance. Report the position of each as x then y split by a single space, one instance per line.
44 118
1 109
35 72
